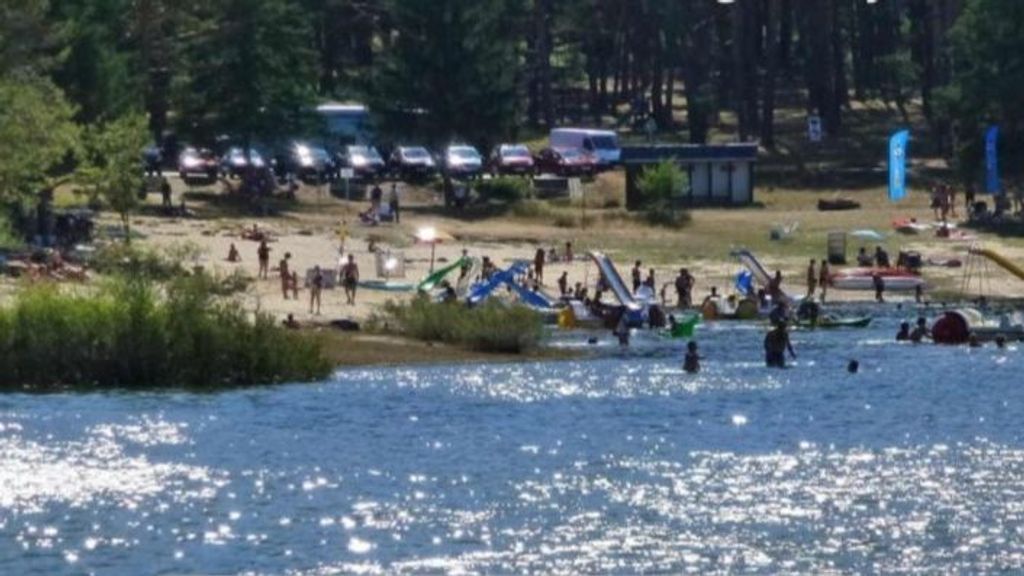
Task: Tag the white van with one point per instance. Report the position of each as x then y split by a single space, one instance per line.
603 144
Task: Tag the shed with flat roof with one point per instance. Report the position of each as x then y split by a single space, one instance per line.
719 175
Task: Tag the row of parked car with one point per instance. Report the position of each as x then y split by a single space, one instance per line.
311 162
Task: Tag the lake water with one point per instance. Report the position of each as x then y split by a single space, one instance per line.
620 464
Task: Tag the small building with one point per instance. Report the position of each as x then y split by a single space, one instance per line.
719 175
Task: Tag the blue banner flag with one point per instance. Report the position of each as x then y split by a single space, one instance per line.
898 165
992 160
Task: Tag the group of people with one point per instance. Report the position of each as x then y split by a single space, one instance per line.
317 279
377 211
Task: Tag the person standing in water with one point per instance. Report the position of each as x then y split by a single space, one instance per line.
691 362
920 332
879 284
812 279
622 330
776 344
904 334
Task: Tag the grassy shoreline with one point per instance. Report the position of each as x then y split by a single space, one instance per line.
360 349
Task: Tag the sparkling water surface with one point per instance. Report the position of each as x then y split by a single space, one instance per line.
621 464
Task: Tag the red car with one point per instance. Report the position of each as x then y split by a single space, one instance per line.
565 162
511 159
198 164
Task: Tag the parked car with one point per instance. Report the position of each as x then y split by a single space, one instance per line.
197 164
565 162
412 162
309 162
233 162
602 144
462 161
511 159
364 161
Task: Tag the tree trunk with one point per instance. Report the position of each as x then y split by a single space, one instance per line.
786 36
840 86
771 71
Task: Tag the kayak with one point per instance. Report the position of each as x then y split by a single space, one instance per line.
830 322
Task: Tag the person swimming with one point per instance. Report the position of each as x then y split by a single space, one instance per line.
920 332
853 367
904 334
691 362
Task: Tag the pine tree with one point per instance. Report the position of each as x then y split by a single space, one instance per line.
453 71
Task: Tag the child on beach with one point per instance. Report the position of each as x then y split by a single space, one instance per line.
315 288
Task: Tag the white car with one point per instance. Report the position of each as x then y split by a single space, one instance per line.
463 161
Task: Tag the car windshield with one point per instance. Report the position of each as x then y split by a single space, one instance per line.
415 153
364 152
312 151
517 151
605 142
463 153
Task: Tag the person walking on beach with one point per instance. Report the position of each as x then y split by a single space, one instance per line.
165 193
812 279
286 277
776 344
263 254
823 279
563 285
316 286
350 279
538 265
636 274
393 202
684 289
775 286
649 281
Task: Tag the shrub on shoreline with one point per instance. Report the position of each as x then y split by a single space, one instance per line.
127 335
491 327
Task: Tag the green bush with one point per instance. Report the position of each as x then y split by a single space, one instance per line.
127 335
659 187
124 259
492 327
504 189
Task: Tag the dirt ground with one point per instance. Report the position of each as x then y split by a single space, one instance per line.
308 230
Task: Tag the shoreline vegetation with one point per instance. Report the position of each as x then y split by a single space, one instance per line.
132 333
153 325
